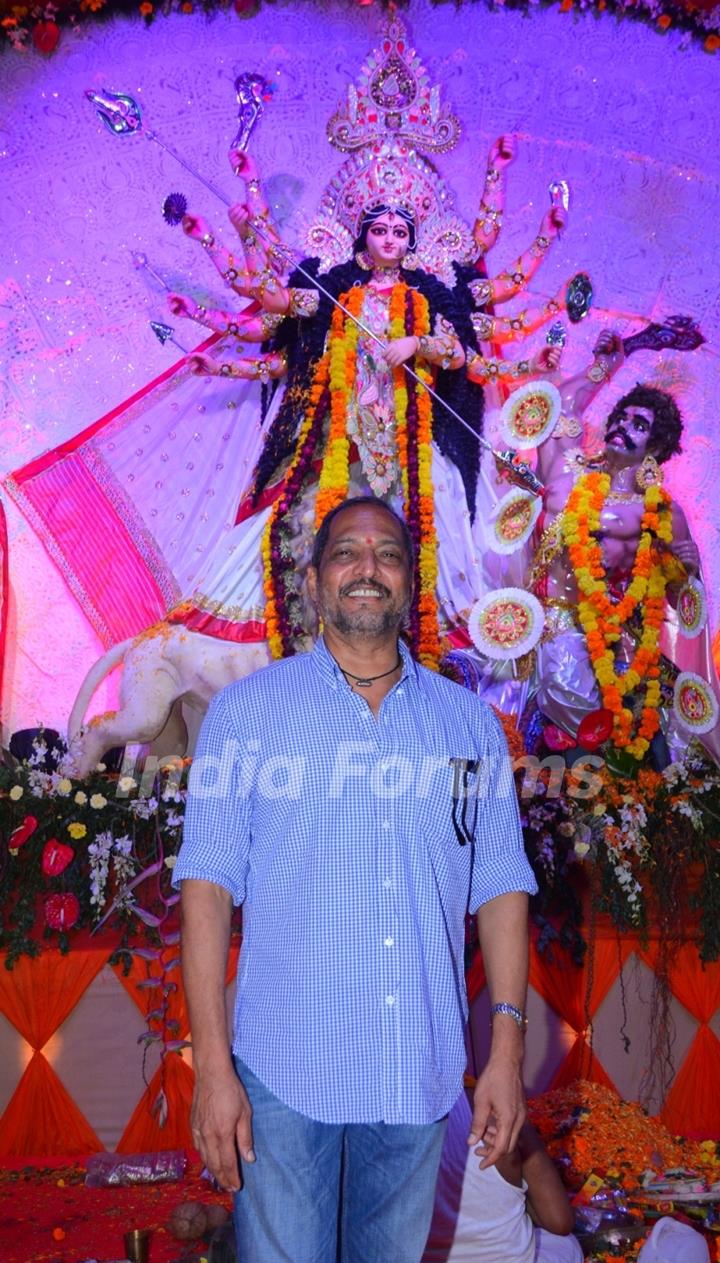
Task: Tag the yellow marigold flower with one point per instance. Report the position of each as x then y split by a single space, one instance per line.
64 786
77 830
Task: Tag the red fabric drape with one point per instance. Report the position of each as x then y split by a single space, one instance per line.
37 994
693 1104
42 1120
576 993
78 523
143 1132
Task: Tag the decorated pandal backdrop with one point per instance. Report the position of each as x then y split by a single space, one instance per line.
74 1078
620 112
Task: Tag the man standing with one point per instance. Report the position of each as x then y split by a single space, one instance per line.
357 805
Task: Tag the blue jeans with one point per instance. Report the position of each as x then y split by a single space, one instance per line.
333 1192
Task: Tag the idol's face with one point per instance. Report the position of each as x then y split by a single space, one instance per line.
387 240
629 432
362 585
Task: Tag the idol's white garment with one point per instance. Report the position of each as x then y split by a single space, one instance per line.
230 586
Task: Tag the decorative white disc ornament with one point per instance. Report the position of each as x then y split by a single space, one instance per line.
506 623
530 414
692 609
514 519
695 703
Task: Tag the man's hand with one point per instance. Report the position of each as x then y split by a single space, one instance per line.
221 1117
498 1111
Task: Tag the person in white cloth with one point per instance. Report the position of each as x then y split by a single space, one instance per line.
516 1211
672 1242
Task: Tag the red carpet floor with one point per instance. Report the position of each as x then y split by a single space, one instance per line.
47 1215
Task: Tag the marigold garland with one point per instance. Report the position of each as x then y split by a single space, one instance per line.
333 383
602 618
278 630
410 316
334 476
428 647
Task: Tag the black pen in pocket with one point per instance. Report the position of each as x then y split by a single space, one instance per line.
462 792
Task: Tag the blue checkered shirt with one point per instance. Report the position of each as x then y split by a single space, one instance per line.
334 829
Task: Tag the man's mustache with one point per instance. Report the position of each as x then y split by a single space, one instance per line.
629 445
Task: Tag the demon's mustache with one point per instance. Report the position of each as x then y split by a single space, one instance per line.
630 446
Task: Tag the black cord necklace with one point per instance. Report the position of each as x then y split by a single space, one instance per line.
364 682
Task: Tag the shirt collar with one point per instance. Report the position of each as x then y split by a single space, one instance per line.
331 673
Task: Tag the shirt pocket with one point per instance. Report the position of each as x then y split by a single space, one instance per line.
448 795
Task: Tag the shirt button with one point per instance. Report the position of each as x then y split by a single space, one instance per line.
389 999
389 942
387 883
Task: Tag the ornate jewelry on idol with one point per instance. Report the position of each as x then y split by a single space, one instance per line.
391 118
649 474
